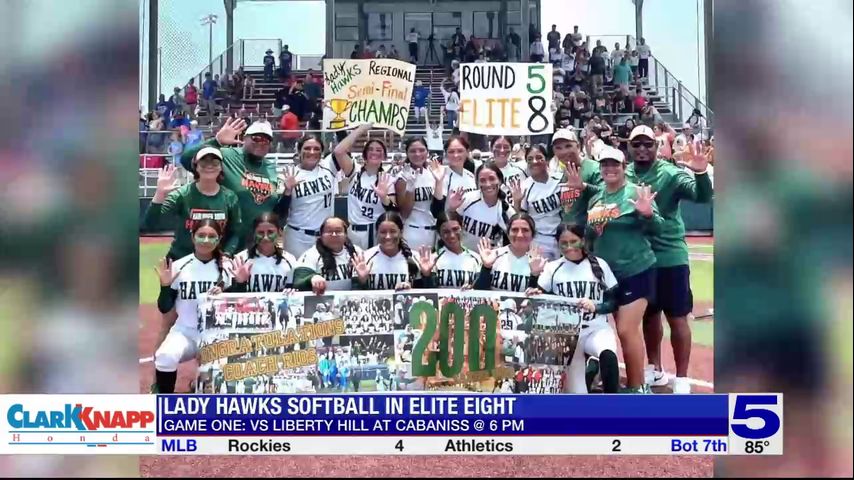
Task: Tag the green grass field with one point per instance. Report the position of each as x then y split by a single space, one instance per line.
702 284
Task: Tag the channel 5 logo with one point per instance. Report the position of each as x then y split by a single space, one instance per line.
77 417
756 416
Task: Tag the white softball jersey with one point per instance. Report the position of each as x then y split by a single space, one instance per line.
266 275
420 215
509 320
576 280
313 198
363 204
453 270
481 220
514 170
340 279
454 180
385 271
509 272
193 281
542 201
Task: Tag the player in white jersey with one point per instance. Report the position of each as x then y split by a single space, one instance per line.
460 171
414 190
328 264
515 267
508 319
485 212
264 266
309 188
182 283
589 279
456 266
540 196
369 193
391 264
510 169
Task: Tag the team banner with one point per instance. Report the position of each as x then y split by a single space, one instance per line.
506 98
374 91
412 340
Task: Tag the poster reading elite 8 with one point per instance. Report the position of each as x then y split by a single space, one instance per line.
386 341
506 98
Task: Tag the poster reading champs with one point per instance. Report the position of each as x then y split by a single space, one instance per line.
375 91
386 341
506 98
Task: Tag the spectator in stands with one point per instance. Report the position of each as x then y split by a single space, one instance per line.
564 111
601 105
597 72
176 147
208 94
558 78
622 75
616 55
600 49
179 119
634 61
664 137
420 96
191 96
313 91
393 53
458 42
576 38
581 109
194 136
452 105
644 53
578 79
537 51
684 141
290 123
297 99
281 99
217 81
514 46
164 107
156 140
433 136
356 53
178 100
640 99
368 51
649 115
237 84
621 103
554 38
582 58
624 132
412 40
381 53
286 59
249 87
555 57
698 123
269 63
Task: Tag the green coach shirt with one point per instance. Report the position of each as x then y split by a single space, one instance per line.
255 184
619 234
671 184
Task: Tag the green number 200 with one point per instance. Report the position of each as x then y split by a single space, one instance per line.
422 316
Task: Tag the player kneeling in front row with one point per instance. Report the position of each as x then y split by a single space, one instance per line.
182 283
589 279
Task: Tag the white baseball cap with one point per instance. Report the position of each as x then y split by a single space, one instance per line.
610 153
260 127
564 134
641 131
207 151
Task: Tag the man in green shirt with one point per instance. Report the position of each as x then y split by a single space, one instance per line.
671 184
247 172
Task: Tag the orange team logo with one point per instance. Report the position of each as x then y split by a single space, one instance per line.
199 214
260 187
568 198
599 216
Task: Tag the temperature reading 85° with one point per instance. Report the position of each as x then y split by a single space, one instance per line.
757 446
507 425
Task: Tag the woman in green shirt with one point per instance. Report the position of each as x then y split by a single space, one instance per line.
620 218
202 199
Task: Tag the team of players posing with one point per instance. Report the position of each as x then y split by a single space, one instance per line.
590 227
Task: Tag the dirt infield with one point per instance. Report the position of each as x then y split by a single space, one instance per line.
390 466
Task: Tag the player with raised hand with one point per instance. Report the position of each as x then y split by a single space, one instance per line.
414 190
246 170
456 266
671 185
486 211
308 196
621 218
182 283
587 278
515 267
327 265
460 169
195 201
391 264
510 169
540 196
264 266
371 191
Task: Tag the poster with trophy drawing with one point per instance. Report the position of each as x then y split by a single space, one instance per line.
377 90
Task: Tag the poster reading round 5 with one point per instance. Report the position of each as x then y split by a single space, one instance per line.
388 341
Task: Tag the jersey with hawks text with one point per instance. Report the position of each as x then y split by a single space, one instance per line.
268 276
481 220
340 278
510 273
456 269
576 280
542 201
454 181
386 272
193 280
363 204
420 215
313 198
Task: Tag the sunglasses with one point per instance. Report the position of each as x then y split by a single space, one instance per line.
648 144
258 138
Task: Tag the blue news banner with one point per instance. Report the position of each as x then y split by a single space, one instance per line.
715 424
